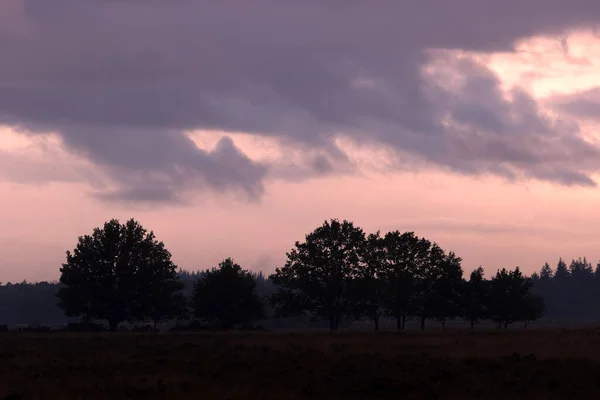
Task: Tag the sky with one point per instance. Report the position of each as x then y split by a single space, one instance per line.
233 129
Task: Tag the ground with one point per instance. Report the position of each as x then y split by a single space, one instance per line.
543 364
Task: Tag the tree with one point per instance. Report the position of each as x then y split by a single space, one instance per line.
581 269
546 273
532 308
318 271
227 294
562 272
475 297
443 283
402 255
508 294
366 285
119 273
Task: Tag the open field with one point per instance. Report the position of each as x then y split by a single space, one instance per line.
541 364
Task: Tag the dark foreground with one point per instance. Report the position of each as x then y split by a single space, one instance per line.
487 365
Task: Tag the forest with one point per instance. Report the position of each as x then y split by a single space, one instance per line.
338 274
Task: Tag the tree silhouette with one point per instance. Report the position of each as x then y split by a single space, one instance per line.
581 269
562 273
546 272
227 294
475 297
440 281
366 285
509 292
119 273
402 255
532 308
318 271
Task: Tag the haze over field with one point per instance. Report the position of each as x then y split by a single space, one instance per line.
233 128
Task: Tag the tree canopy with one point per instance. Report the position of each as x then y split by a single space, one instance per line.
318 271
227 294
119 273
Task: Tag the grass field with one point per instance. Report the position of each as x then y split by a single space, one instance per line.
439 365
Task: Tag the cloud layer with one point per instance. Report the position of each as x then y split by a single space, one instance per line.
122 82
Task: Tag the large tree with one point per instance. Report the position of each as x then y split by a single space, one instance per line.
318 271
119 273
227 294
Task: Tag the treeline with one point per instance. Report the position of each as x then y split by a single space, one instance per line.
338 273
570 291
35 303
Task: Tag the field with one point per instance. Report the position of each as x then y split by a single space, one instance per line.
541 364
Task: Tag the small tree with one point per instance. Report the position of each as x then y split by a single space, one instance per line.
119 273
227 294
508 293
532 308
475 297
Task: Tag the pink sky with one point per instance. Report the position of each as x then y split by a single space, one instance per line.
485 221
456 194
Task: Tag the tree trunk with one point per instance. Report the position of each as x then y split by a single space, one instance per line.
505 324
154 327
398 323
403 322
526 322
472 325
422 323
376 321
443 325
113 325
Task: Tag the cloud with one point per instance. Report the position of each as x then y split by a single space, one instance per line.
483 230
42 163
123 83
583 105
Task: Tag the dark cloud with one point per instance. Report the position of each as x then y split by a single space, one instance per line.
122 81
